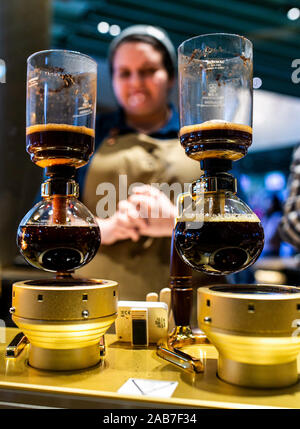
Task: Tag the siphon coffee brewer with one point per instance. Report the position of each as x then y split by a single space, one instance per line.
63 318
217 233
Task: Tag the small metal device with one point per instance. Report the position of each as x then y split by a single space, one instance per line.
170 349
16 346
157 325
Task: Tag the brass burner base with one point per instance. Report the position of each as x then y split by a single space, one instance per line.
64 360
255 329
63 321
257 376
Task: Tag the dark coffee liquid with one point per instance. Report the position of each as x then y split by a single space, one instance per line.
228 142
55 144
58 248
219 247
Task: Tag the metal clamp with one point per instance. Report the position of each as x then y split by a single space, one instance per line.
169 349
16 346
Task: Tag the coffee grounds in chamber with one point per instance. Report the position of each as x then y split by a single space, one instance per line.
218 245
56 144
58 248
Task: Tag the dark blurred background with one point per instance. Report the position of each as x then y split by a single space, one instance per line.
89 26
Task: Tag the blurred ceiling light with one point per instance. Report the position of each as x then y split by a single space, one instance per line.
114 30
270 277
257 82
293 13
275 181
103 27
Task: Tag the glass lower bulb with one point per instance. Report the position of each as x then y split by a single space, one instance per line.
59 245
219 234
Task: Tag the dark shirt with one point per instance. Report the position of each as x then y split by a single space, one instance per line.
114 124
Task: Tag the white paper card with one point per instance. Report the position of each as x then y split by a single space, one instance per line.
141 387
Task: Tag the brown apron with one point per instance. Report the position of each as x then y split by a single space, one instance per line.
143 266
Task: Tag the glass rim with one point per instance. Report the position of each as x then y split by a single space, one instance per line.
214 34
240 290
49 51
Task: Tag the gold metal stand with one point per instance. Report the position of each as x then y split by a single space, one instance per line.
255 329
65 323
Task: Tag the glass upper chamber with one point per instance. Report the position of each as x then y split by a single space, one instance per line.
215 96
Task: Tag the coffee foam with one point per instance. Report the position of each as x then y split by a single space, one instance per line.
60 127
251 217
215 124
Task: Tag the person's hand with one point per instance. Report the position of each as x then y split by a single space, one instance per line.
123 225
155 208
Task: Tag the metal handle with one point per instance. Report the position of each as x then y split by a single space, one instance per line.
168 350
16 346
181 359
